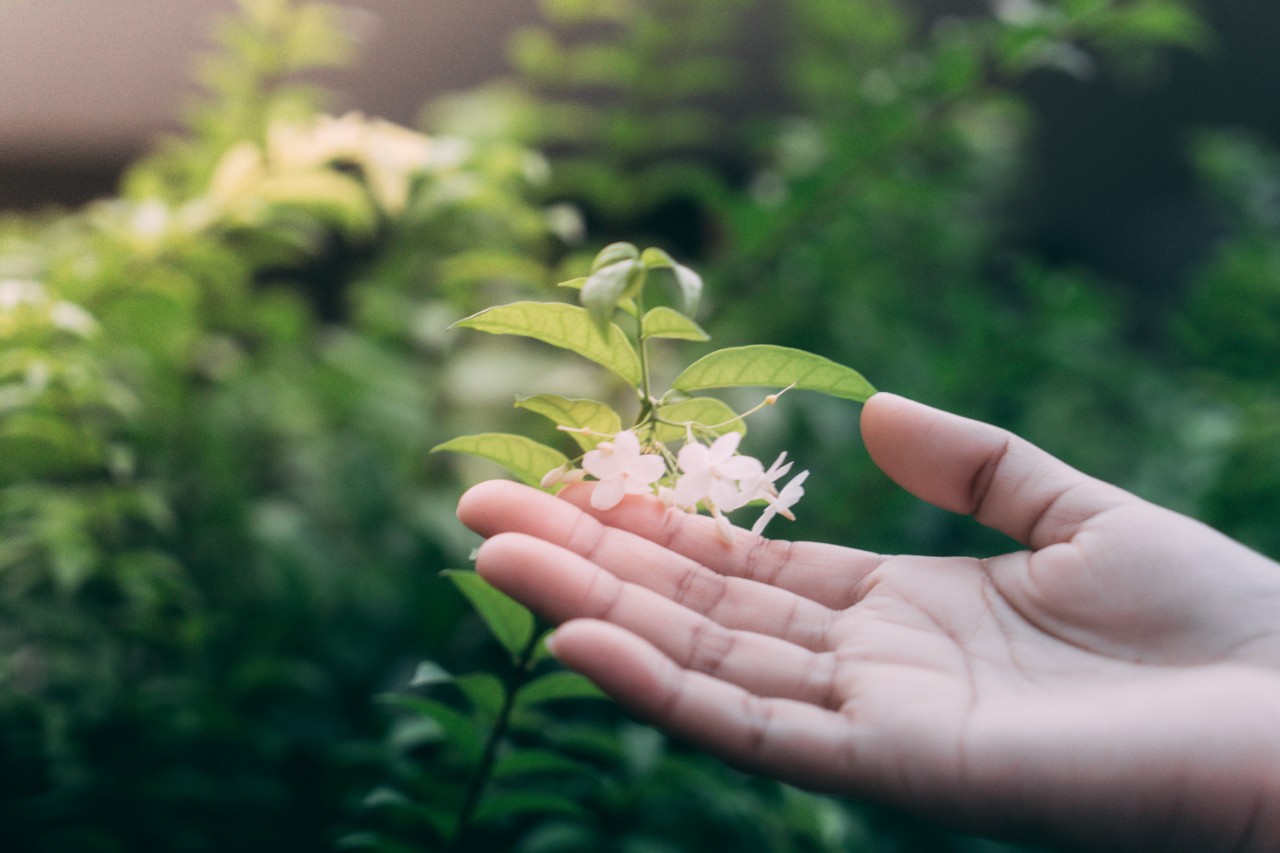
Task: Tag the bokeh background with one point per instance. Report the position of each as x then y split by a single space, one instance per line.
225 357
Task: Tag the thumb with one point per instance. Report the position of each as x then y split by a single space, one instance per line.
969 467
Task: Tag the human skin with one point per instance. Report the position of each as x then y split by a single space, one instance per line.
1115 685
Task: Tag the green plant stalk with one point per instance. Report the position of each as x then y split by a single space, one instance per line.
480 778
648 412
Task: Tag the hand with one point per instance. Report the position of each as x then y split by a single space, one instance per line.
1115 685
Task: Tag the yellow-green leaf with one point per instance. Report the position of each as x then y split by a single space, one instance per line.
773 366
569 412
707 411
565 326
527 459
664 322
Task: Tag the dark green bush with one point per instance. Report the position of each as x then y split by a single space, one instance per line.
221 529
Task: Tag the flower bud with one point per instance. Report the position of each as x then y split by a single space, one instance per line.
553 477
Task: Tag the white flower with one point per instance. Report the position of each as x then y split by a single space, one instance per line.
622 469
716 475
762 488
782 503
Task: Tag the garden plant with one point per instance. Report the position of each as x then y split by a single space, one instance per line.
240 399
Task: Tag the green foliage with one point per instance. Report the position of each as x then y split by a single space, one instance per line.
626 93
220 514
221 525
254 77
639 458
566 326
765 364
1225 329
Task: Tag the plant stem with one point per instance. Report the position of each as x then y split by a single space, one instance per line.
480 778
648 412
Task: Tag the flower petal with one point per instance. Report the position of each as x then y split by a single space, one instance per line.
764 519
693 457
608 493
649 468
724 447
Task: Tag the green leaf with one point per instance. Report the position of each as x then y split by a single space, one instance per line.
557 686
655 259
440 820
511 624
536 762
508 804
664 322
410 733
484 691
614 253
527 459
773 366
604 289
429 674
570 412
460 729
686 283
707 411
565 326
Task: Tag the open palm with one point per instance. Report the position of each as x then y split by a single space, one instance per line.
1116 685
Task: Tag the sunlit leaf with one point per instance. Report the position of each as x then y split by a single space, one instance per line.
565 326
577 413
511 624
527 459
330 195
773 366
664 322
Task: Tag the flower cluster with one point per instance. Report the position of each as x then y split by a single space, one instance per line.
615 328
713 477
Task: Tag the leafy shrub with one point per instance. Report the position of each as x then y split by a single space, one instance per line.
222 526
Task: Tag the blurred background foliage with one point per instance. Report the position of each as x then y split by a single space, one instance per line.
220 525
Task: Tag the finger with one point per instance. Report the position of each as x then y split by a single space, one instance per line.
499 506
970 467
560 585
827 574
792 741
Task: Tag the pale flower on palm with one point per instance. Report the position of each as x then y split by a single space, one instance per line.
622 469
716 475
781 504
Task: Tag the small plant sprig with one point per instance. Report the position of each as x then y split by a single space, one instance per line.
681 446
